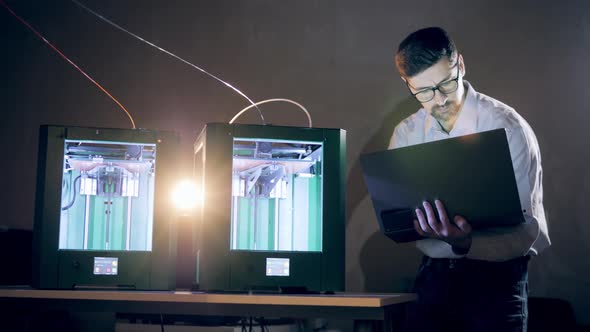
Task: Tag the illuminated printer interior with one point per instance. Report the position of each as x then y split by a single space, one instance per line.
107 199
276 195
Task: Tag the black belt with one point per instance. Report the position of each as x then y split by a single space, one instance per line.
472 263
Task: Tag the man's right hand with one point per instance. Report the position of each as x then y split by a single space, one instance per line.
456 233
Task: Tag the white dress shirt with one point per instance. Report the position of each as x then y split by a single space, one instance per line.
482 113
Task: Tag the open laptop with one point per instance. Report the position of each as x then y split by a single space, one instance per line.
472 175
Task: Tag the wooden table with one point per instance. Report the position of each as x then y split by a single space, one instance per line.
368 311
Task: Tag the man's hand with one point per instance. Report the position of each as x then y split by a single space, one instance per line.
456 233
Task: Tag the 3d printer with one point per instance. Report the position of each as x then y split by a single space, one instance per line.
272 211
103 216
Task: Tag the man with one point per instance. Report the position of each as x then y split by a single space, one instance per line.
469 280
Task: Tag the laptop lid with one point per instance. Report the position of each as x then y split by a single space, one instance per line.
472 175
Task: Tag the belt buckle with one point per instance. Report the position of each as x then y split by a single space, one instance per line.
452 263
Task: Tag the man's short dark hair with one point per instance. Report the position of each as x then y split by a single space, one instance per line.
422 49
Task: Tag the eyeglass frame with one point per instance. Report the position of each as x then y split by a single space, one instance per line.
437 87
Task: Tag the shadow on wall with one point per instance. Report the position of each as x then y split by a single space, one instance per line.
16 255
388 266
385 265
378 142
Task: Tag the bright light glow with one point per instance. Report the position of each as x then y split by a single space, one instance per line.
186 195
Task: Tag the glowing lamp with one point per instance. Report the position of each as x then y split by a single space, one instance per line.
186 195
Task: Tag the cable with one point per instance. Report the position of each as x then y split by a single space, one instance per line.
171 54
268 101
161 323
67 207
263 326
68 60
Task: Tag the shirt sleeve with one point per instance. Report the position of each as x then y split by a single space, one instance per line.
503 243
399 138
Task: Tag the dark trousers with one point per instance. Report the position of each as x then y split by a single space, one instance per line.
470 295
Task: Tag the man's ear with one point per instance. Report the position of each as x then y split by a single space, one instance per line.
462 65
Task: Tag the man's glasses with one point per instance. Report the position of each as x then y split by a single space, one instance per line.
445 87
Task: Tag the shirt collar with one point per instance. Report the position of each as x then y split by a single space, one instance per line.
467 121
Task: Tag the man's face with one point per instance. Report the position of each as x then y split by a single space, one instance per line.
443 107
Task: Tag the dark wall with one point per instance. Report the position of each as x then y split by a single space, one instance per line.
333 56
